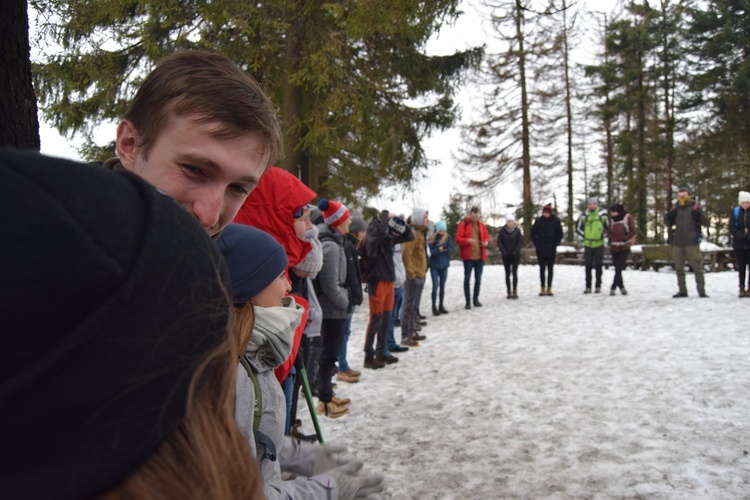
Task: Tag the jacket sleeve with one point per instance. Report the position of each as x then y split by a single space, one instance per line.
328 277
558 232
461 237
535 230
449 245
407 254
484 234
701 217
519 243
500 245
632 230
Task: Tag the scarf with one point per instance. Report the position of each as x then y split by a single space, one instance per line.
273 332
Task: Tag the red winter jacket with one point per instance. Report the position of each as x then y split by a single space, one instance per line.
271 207
463 234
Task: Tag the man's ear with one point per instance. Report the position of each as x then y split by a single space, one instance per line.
127 144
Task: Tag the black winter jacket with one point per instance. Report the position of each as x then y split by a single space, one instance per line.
510 242
546 233
353 272
379 250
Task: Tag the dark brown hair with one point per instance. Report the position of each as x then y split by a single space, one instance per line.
210 87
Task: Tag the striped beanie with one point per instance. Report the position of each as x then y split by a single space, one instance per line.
334 213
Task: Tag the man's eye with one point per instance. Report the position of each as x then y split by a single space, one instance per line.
192 170
240 189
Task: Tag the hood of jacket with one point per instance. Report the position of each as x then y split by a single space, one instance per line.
271 206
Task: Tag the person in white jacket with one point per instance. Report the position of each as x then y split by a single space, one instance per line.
265 320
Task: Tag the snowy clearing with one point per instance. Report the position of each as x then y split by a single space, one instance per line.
571 396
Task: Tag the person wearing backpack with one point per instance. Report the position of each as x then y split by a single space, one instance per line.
687 217
592 226
621 235
265 319
739 225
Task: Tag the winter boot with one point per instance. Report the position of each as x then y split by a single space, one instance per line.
742 292
612 291
331 409
598 289
588 290
549 291
386 358
371 362
442 309
515 293
543 292
435 311
477 303
510 294
623 291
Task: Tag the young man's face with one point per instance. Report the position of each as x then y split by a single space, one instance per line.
209 176
593 206
474 216
683 195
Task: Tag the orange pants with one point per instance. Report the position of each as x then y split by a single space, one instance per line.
381 308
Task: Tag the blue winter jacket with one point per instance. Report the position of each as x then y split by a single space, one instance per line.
440 260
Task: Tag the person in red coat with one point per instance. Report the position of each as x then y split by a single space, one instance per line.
472 238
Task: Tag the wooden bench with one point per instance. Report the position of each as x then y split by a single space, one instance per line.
657 256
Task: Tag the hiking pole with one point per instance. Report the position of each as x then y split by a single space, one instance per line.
309 398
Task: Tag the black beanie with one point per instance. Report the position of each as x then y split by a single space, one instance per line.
111 295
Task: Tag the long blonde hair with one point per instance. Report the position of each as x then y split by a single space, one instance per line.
205 456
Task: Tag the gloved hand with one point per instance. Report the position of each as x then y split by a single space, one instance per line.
329 456
351 484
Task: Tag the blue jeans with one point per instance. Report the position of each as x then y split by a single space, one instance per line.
438 282
477 266
288 387
398 300
343 364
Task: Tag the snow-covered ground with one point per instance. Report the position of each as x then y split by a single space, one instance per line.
571 396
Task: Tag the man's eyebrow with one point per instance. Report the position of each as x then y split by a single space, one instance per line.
205 161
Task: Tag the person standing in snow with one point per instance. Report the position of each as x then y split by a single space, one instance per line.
510 242
472 238
398 301
441 247
546 234
335 299
739 226
354 285
265 319
685 218
621 234
382 234
414 253
592 226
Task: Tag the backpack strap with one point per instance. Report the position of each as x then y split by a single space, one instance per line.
737 216
262 441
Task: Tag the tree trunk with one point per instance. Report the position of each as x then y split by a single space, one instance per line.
526 155
569 121
19 124
295 159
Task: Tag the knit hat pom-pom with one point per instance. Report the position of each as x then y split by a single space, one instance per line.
323 205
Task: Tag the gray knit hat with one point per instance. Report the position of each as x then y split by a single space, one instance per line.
358 224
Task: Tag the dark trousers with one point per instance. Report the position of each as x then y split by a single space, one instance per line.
410 315
619 259
477 266
438 284
594 259
331 330
511 269
546 264
742 257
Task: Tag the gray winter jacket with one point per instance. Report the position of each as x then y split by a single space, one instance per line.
687 221
291 456
332 293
